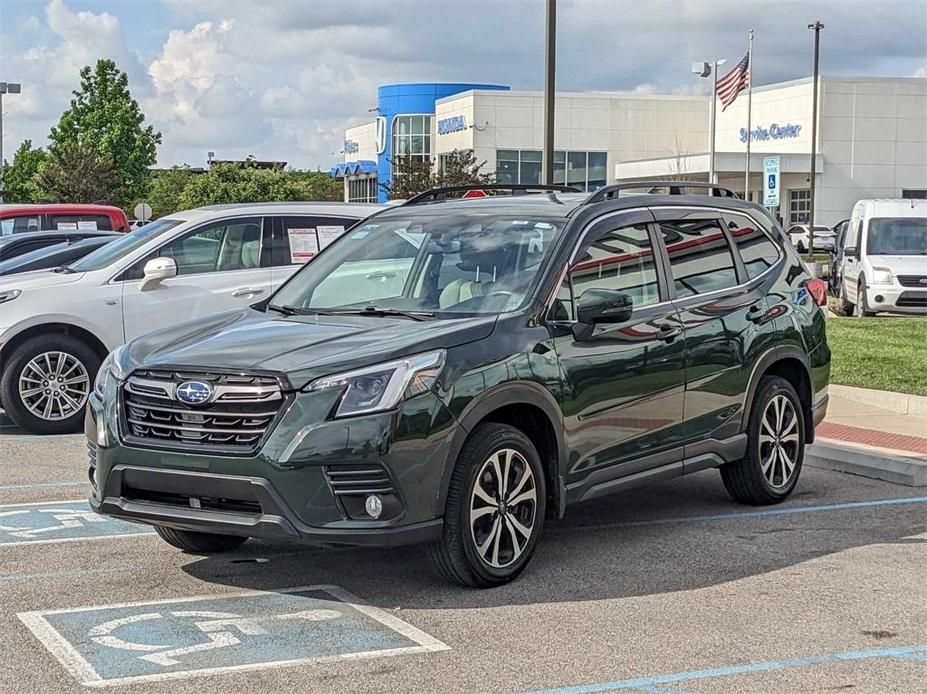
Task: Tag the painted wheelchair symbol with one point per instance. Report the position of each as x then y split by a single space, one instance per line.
218 628
64 517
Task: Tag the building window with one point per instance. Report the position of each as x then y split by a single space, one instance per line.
914 194
411 139
447 157
799 205
585 170
362 189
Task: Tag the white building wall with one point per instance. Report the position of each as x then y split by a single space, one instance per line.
626 126
366 138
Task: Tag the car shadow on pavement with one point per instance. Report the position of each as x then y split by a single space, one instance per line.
641 542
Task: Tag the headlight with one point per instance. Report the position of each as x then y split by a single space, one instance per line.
109 369
9 295
383 386
881 275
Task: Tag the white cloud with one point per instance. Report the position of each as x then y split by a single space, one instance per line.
281 79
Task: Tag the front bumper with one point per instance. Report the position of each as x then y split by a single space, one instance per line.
896 299
307 482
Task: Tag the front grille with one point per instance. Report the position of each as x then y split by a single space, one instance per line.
912 280
912 300
185 501
358 479
233 420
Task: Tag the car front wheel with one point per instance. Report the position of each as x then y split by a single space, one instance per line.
46 383
199 543
862 306
495 509
769 470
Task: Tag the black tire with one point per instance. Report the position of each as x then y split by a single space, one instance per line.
199 543
17 362
456 555
744 479
862 306
846 308
801 247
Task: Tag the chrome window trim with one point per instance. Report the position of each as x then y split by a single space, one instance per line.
548 304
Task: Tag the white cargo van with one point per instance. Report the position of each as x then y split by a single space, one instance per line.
884 264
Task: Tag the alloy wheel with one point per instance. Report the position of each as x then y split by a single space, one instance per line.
503 508
54 385
779 441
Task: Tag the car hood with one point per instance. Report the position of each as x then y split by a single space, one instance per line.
900 264
301 347
39 279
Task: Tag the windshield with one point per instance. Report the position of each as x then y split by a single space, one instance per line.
127 243
897 236
464 264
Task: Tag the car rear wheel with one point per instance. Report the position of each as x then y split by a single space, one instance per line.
495 509
199 543
46 383
769 470
801 247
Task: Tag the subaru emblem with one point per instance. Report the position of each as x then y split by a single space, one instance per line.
193 392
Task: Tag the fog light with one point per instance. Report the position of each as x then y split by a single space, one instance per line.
879 299
373 506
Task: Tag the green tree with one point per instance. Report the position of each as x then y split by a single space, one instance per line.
165 190
77 172
416 175
21 177
103 116
227 183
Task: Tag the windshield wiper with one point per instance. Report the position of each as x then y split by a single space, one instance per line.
377 311
285 310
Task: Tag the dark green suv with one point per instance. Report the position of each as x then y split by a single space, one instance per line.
454 371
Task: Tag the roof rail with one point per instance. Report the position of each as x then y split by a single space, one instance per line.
441 194
674 188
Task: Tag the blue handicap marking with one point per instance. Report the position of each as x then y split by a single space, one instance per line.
167 639
59 521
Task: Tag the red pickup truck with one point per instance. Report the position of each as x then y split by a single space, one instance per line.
18 218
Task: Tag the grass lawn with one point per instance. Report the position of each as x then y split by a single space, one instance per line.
881 353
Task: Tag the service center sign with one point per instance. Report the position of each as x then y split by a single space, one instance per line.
774 132
771 181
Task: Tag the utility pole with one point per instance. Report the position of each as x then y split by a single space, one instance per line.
5 88
749 116
816 27
550 68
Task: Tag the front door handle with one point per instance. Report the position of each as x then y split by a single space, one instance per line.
381 275
247 291
667 332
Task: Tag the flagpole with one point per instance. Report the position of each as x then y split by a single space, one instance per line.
749 114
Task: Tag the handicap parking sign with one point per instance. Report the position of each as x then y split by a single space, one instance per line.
166 639
771 181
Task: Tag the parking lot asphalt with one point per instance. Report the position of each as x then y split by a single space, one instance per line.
668 588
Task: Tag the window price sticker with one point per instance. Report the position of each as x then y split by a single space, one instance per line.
303 244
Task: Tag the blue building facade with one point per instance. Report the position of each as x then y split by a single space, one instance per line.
405 126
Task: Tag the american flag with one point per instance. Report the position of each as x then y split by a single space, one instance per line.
734 82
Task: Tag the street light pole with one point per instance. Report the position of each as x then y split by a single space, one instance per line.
706 69
550 66
5 88
816 26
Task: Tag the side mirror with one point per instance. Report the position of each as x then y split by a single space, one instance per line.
597 306
157 270
851 252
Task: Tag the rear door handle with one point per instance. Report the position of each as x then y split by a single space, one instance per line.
667 332
247 291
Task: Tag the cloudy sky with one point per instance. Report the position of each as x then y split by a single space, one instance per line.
280 79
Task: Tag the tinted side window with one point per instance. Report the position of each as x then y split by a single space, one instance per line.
700 257
304 236
15 225
80 221
621 260
757 251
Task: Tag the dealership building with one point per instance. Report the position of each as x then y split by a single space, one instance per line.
872 139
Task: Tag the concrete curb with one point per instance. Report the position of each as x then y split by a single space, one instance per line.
878 463
902 403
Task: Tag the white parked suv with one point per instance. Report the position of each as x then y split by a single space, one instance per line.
884 266
56 326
